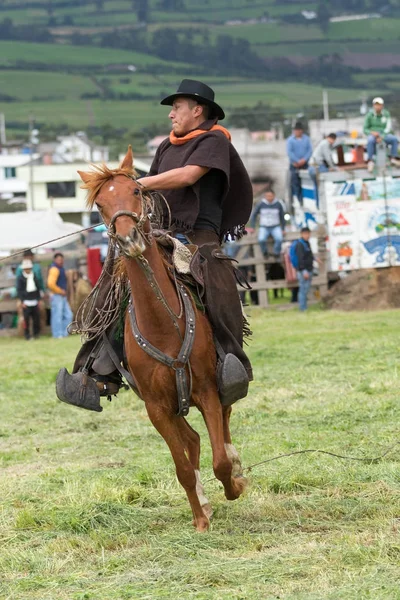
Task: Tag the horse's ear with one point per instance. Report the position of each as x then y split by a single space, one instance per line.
127 163
84 176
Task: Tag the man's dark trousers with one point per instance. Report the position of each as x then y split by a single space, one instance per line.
31 312
295 182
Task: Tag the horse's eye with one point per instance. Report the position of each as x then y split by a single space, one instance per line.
136 192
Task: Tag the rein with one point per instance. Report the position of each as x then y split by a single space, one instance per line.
62 237
140 221
181 364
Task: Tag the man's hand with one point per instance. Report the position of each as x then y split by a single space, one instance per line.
250 230
301 162
306 275
376 134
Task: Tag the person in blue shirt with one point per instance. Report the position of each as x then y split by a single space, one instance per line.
299 150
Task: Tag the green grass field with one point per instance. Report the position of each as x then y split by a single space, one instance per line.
65 105
91 508
65 55
48 79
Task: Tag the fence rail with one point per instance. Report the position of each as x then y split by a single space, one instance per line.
250 255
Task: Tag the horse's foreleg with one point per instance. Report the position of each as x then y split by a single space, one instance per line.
191 441
169 426
223 460
231 451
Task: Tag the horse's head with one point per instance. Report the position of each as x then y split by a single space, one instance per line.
120 201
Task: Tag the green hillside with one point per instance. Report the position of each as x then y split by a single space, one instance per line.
104 65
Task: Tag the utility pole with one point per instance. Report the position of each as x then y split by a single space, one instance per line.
2 129
33 141
325 103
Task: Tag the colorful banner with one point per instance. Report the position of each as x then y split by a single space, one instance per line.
363 219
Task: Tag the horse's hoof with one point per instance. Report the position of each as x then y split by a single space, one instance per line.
201 524
239 484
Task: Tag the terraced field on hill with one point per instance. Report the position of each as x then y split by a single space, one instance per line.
74 81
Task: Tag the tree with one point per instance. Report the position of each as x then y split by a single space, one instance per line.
323 15
165 44
256 118
142 9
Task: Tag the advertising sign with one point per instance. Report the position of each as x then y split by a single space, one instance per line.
363 220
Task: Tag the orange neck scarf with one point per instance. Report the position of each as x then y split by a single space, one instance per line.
179 141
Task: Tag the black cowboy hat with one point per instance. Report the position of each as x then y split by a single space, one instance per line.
202 93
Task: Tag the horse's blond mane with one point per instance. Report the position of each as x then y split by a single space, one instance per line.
99 175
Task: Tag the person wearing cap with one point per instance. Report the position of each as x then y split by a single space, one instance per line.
28 292
209 195
299 150
28 254
378 128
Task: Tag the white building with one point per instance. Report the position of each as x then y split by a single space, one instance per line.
58 186
264 157
12 188
348 126
77 147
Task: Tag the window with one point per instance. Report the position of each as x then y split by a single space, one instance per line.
61 189
10 172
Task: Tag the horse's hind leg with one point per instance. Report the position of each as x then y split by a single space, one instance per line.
167 424
234 485
191 440
237 470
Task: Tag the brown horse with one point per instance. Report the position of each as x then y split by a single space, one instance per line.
113 191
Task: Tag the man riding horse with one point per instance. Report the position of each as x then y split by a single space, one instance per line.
209 196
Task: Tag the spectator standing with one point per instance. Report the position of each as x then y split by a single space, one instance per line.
28 292
272 222
61 314
37 271
378 128
299 151
305 260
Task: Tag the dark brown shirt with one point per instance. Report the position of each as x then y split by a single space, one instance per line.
229 209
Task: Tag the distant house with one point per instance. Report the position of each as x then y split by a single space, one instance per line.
309 14
73 148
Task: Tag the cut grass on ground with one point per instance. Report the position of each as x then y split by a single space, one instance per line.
91 507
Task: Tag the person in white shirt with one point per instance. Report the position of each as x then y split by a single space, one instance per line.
28 292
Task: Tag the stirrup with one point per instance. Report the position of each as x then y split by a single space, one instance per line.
233 380
78 389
